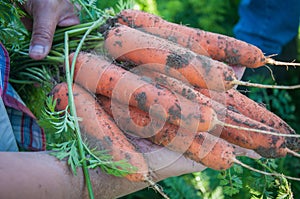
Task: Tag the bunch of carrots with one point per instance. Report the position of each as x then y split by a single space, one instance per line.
173 85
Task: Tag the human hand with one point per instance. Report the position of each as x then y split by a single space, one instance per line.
55 180
50 178
164 163
42 170
46 15
239 71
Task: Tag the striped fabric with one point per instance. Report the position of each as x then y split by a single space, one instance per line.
28 134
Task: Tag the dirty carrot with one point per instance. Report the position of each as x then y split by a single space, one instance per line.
267 145
201 147
127 44
204 148
219 47
100 127
237 102
114 82
100 76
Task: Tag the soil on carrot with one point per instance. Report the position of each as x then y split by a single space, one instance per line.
111 22
177 61
175 112
188 94
267 152
205 64
141 99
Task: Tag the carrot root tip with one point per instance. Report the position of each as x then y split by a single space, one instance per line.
280 63
293 152
156 187
258 130
249 84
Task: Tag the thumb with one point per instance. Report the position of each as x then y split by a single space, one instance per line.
44 25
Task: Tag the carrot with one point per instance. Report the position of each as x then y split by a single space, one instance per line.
211 151
60 92
100 127
266 145
102 77
127 44
201 147
220 47
240 103
114 82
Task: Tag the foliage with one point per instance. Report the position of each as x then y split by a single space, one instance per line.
34 84
57 124
235 183
230 181
11 28
214 15
176 187
67 150
118 5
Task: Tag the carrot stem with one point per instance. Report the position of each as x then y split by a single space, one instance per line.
83 5
73 112
91 28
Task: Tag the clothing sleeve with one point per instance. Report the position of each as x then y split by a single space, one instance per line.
7 137
26 132
268 24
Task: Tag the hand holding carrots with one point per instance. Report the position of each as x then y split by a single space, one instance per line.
181 101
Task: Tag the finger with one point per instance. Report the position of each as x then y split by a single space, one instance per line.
178 165
163 162
69 17
69 21
239 71
27 22
239 151
44 25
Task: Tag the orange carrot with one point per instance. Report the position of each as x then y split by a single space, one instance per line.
101 129
135 158
127 44
114 82
201 147
102 77
265 145
209 150
220 47
237 102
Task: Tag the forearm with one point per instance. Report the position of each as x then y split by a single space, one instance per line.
38 174
32 174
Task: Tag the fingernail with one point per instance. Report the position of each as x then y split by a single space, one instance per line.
37 49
